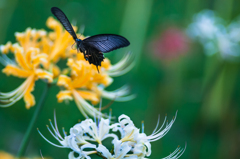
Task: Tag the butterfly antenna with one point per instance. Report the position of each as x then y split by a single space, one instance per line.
72 46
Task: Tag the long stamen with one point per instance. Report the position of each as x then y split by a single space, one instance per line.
100 106
55 122
142 126
57 134
123 66
85 107
49 141
8 99
120 94
165 119
157 124
177 153
56 137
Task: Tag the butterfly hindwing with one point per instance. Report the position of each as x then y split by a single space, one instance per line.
64 20
106 42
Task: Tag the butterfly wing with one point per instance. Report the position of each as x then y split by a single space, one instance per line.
106 42
64 20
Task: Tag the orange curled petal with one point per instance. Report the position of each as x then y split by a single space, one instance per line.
29 100
44 75
88 95
28 97
40 58
64 95
65 81
29 56
16 71
102 79
21 60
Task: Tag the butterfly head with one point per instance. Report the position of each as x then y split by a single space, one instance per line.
78 40
79 43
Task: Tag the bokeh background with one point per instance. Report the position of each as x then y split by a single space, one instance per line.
172 72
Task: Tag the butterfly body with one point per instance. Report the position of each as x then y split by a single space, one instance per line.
92 47
92 55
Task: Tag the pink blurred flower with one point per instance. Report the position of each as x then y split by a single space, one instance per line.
172 43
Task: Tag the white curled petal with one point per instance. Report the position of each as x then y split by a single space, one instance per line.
124 120
71 156
105 152
124 149
149 151
76 129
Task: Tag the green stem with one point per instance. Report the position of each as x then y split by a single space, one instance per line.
137 13
27 135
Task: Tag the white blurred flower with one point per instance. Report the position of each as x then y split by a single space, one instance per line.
86 138
204 25
215 36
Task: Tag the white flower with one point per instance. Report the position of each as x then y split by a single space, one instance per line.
204 25
86 138
212 32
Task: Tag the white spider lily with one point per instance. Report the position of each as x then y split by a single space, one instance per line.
132 144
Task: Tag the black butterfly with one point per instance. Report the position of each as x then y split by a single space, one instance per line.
92 47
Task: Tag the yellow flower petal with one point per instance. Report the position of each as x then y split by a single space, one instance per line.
65 81
16 71
56 71
64 95
5 48
28 97
102 78
88 95
40 58
62 40
21 60
44 75
106 64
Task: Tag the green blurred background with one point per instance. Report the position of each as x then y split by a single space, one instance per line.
205 92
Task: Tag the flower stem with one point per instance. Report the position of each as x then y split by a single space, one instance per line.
27 135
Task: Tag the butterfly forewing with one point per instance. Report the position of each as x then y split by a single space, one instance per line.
106 42
64 20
